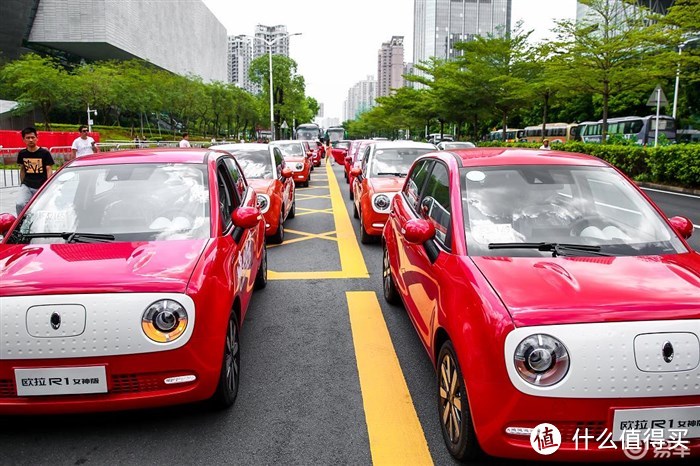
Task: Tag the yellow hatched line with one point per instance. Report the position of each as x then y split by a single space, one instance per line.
395 433
352 262
301 211
306 197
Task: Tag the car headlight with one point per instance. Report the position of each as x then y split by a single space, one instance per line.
541 360
164 321
381 202
299 166
263 202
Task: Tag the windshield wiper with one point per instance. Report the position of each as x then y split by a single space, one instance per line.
392 174
73 236
557 249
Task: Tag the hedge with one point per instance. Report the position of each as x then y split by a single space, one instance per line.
676 164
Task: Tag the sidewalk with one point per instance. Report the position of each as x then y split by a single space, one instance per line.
8 196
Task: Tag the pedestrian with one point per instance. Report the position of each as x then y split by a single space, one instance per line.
83 144
328 152
545 145
185 141
34 167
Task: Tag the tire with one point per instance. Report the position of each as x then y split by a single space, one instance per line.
391 294
365 238
278 237
230 376
355 214
453 408
293 211
261 276
352 195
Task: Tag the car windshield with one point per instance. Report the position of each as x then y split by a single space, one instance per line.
394 161
128 202
341 145
291 149
591 206
308 134
256 163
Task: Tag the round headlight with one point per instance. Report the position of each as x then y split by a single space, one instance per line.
299 166
541 360
263 201
164 321
381 202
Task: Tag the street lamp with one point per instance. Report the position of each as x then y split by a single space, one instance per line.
89 118
678 73
272 103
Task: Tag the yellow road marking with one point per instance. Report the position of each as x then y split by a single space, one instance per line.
301 211
304 197
395 433
352 263
305 236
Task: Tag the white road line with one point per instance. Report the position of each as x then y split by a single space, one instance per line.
671 192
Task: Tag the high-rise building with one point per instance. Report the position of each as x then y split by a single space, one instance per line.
276 35
439 24
656 6
127 29
240 53
390 66
361 97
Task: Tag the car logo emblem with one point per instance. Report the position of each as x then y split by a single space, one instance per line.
667 351
55 320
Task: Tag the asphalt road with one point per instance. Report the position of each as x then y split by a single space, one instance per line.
319 385
673 204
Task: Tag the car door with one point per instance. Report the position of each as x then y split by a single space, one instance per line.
424 262
286 185
360 185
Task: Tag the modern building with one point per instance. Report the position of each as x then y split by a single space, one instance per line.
361 97
127 29
240 54
275 35
439 24
390 66
656 6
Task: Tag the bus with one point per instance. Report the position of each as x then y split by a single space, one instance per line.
308 132
335 133
639 129
512 135
555 132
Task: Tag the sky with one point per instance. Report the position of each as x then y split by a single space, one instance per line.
341 38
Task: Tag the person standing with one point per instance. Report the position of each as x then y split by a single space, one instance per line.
545 145
34 168
185 141
83 144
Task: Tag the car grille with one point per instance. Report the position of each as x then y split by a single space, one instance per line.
7 388
568 429
133 383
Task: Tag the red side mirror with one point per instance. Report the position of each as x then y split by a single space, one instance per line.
418 231
287 172
246 217
6 221
355 171
682 225
348 159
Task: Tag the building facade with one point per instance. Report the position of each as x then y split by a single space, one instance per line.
275 35
656 6
361 97
439 24
240 54
127 29
390 66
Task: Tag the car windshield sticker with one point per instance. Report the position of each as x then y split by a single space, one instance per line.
476 175
486 232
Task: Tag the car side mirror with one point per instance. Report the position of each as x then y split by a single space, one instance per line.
355 171
418 231
348 159
682 225
309 154
287 172
246 217
6 221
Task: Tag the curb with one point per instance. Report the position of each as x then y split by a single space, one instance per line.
663 187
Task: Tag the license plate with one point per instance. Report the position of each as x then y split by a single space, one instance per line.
670 420
61 381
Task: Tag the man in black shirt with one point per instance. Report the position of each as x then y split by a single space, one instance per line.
35 167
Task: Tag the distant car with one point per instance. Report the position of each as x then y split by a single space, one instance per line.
378 179
125 283
297 160
314 152
450 145
340 151
547 288
267 172
355 160
435 138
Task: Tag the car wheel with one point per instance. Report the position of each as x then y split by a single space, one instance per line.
355 214
453 408
391 295
293 211
365 238
261 276
278 237
230 375
352 195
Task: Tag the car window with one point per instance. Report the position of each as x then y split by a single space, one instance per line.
394 161
256 163
365 157
414 183
227 197
279 160
237 178
435 203
292 149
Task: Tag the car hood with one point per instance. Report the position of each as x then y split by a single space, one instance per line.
158 266
542 291
262 186
386 183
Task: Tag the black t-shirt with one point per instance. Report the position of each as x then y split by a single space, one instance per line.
35 164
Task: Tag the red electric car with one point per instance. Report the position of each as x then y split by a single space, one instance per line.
125 282
267 172
296 159
354 159
547 288
378 179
